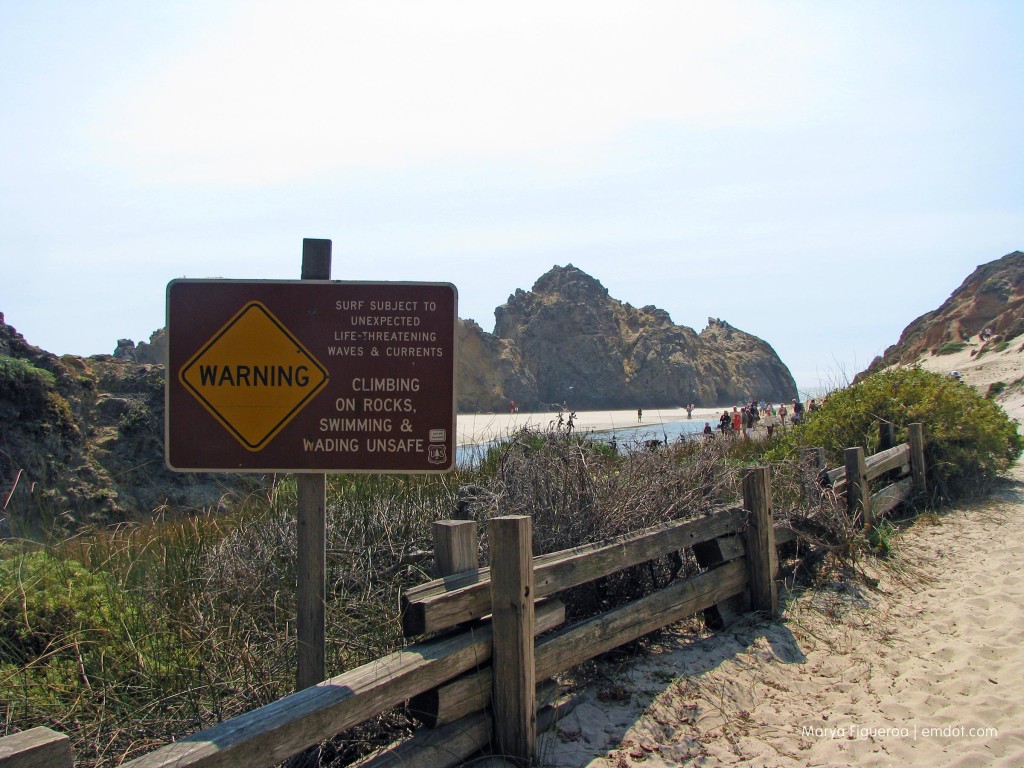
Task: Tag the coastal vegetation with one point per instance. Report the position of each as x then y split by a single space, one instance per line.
969 438
128 637
950 347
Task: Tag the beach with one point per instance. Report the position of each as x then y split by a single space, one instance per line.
474 428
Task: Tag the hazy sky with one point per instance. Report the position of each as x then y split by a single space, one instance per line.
815 173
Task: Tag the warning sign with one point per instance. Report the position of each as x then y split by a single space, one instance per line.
292 376
254 376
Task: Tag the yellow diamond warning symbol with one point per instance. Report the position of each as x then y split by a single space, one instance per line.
254 376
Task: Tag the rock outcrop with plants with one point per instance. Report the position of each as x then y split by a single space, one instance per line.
81 442
987 308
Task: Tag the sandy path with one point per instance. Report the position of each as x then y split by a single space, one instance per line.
925 670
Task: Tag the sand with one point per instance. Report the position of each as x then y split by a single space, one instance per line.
924 669
981 372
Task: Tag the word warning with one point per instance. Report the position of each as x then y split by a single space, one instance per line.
307 375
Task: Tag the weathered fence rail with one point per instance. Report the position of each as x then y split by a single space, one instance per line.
853 481
447 680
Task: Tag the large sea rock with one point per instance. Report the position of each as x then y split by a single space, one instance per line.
567 340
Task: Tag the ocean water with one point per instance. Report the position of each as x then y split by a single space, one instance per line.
624 439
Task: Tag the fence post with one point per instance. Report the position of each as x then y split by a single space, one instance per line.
36 748
454 546
760 540
886 436
815 457
513 694
917 457
713 554
858 498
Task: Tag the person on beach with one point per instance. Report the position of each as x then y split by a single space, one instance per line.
798 412
782 413
749 419
707 429
737 421
724 422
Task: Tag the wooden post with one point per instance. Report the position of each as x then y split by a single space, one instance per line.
36 748
916 441
513 694
760 540
814 457
714 554
858 497
886 436
311 566
454 546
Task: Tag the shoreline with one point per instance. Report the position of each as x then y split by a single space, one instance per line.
475 428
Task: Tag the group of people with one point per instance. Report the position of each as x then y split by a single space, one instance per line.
739 421
743 419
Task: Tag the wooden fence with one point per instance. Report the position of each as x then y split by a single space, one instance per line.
484 681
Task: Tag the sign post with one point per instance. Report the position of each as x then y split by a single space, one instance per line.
311 530
310 376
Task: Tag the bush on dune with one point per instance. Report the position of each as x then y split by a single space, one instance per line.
968 438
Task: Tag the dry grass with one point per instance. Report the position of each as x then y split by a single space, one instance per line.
198 620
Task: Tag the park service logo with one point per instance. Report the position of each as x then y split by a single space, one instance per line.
254 376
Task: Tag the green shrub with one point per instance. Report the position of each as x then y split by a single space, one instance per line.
995 389
967 438
882 538
49 605
24 386
950 348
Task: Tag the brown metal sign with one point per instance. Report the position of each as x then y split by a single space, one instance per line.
310 376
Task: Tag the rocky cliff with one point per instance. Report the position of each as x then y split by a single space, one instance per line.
579 345
989 303
81 441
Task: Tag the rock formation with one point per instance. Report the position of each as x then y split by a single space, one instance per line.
991 299
153 352
87 437
576 344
